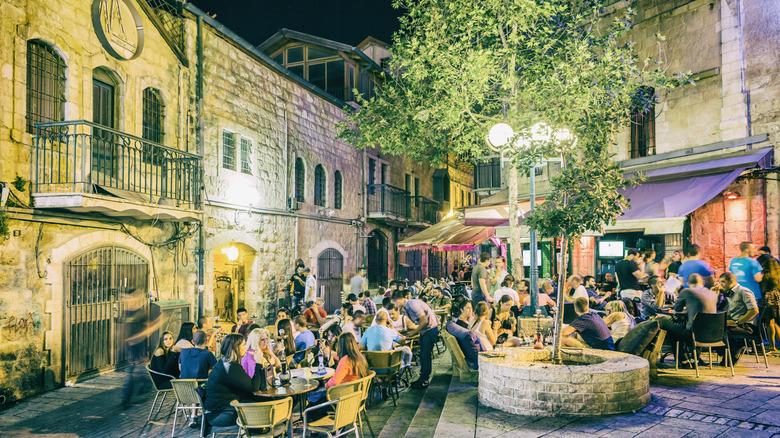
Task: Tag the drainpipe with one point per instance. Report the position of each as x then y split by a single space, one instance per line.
202 153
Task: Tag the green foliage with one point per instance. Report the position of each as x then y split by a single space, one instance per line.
463 65
19 183
5 232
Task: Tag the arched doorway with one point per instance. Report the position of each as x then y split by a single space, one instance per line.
377 258
232 270
98 285
330 270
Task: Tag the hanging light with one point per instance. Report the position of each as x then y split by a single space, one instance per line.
731 195
231 252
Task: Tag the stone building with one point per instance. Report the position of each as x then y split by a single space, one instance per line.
706 149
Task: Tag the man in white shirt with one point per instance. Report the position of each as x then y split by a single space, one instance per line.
507 288
311 286
575 282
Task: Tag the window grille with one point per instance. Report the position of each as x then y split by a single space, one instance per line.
45 85
152 128
246 156
337 190
228 150
643 123
319 186
300 179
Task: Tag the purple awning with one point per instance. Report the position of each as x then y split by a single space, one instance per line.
759 158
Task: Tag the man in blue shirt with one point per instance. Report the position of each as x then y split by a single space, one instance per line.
695 266
747 269
380 337
592 329
196 363
304 340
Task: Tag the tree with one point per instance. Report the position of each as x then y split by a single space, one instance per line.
462 65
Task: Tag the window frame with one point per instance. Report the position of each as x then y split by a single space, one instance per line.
642 131
300 180
246 155
52 101
338 190
320 186
226 150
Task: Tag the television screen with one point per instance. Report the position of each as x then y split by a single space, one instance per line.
527 257
610 249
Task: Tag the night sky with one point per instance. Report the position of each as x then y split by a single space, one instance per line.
345 21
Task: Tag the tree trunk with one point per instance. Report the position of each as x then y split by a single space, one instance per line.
561 290
516 253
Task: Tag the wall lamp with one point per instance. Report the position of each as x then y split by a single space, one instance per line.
731 195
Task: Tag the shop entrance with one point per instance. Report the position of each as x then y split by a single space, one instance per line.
232 269
377 258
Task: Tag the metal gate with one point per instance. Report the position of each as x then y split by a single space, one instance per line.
330 269
97 287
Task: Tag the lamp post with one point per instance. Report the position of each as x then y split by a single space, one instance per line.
499 138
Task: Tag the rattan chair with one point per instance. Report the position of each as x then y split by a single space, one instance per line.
387 366
253 416
369 320
361 385
187 400
163 391
344 420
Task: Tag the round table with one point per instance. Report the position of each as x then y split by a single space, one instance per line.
301 373
297 389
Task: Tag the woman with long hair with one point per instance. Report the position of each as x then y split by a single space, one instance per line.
165 360
328 345
352 364
480 325
228 381
285 334
185 335
503 310
618 319
258 340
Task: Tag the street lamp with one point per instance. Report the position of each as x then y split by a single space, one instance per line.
498 139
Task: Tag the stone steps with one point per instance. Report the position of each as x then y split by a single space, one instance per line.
426 418
459 416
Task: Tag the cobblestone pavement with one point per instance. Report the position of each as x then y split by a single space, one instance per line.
682 406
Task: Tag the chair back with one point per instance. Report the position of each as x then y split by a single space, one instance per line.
263 414
384 360
347 410
305 361
153 373
361 385
569 314
457 354
369 319
186 391
709 327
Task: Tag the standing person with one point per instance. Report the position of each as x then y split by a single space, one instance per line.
469 260
591 329
693 265
428 328
770 289
297 287
359 284
479 281
747 269
243 323
651 266
196 362
315 314
137 328
629 274
497 274
311 286
674 265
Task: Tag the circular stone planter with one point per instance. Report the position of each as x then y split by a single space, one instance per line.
599 383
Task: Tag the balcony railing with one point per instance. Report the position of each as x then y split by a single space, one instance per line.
388 200
78 156
487 174
424 210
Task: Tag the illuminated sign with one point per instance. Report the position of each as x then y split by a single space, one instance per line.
119 28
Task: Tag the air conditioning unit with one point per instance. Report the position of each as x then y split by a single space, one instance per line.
292 203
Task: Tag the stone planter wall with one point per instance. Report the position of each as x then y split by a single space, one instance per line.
606 383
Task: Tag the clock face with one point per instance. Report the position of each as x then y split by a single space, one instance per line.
119 28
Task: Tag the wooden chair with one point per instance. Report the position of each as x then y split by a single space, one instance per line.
653 351
187 400
387 366
270 414
361 385
347 409
163 391
459 365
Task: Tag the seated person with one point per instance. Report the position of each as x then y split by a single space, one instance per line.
228 381
315 314
281 314
386 301
596 300
544 297
196 362
285 336
438 300
165 360
507 288
327 344
618 319
353 299
304 340
480 324
653 299
742 311
503 310
401 323
185 335
379 337
204 324
368 303
355 325
592 330
257 341
242 326
463 314
575 289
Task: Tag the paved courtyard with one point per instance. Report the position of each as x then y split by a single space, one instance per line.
682 406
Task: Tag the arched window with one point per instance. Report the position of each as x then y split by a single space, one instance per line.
337 190
319 185
45 85
300 179
643 122
152 112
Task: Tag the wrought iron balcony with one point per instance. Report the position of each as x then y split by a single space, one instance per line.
424 211
386 201
83 166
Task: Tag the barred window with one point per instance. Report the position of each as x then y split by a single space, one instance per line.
300 179
45 85
246 156
643 123
152 125
337 190
228 150
319 185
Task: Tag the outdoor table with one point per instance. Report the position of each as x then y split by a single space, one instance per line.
298 389
301 373
677 317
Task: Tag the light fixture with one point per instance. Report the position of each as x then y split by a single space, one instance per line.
731 195
231 252
499 135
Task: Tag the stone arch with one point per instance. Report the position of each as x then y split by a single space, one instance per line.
315 251
248 244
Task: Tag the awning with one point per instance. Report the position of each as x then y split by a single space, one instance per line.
660 205
447 235
495 215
